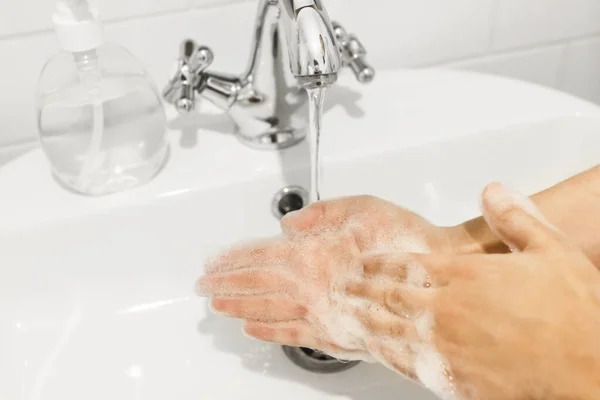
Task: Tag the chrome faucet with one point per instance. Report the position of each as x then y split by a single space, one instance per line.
295 47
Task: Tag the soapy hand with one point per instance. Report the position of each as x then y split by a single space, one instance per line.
351 278
516 326
290 289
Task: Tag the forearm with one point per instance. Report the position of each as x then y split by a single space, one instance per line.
573 206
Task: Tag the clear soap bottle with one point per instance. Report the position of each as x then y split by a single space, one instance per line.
101 121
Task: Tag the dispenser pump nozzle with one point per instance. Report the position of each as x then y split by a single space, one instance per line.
77 25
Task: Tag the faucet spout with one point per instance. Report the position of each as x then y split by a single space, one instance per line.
295 46
313 51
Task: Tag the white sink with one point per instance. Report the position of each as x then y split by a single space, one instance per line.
96 294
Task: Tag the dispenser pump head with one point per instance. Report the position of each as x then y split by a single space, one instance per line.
77 25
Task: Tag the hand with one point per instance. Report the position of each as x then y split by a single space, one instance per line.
519 326
375 225
286 288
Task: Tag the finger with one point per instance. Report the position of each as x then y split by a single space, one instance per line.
397 357
295 333
260 308
392 265
383 323
400 299
264 252
244 282
516 219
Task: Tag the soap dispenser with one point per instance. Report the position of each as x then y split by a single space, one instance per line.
101 121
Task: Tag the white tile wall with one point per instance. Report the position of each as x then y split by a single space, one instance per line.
549 42
417 32
520 23
582 66
120 9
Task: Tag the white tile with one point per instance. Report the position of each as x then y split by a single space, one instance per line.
18 79
408 33
582 69
118 9
19 16
36 15
527 22
541 66
156 40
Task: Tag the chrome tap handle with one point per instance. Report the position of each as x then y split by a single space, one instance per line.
187 76
353 54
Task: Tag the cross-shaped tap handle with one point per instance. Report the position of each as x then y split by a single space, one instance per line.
187 75
353 54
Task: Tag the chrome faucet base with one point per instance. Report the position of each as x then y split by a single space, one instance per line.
295 47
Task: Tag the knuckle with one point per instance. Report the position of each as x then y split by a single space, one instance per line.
304 219
356 289
292 335
371 266
396 330
297 310
314 211
393 299
301 310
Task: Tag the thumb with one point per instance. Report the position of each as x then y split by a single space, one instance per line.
516 219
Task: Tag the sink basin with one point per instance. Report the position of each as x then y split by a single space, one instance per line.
96 298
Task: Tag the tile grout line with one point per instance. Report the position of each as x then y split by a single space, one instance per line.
189 7
508 52
562 68
588 36
15 146
492 21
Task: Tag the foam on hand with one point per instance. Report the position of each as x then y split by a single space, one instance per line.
336 314
336 319
430 366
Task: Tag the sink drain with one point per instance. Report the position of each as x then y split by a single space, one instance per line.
315 361
288 199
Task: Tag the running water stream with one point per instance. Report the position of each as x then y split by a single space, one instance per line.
316 98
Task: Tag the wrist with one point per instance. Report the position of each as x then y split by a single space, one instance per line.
475 236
